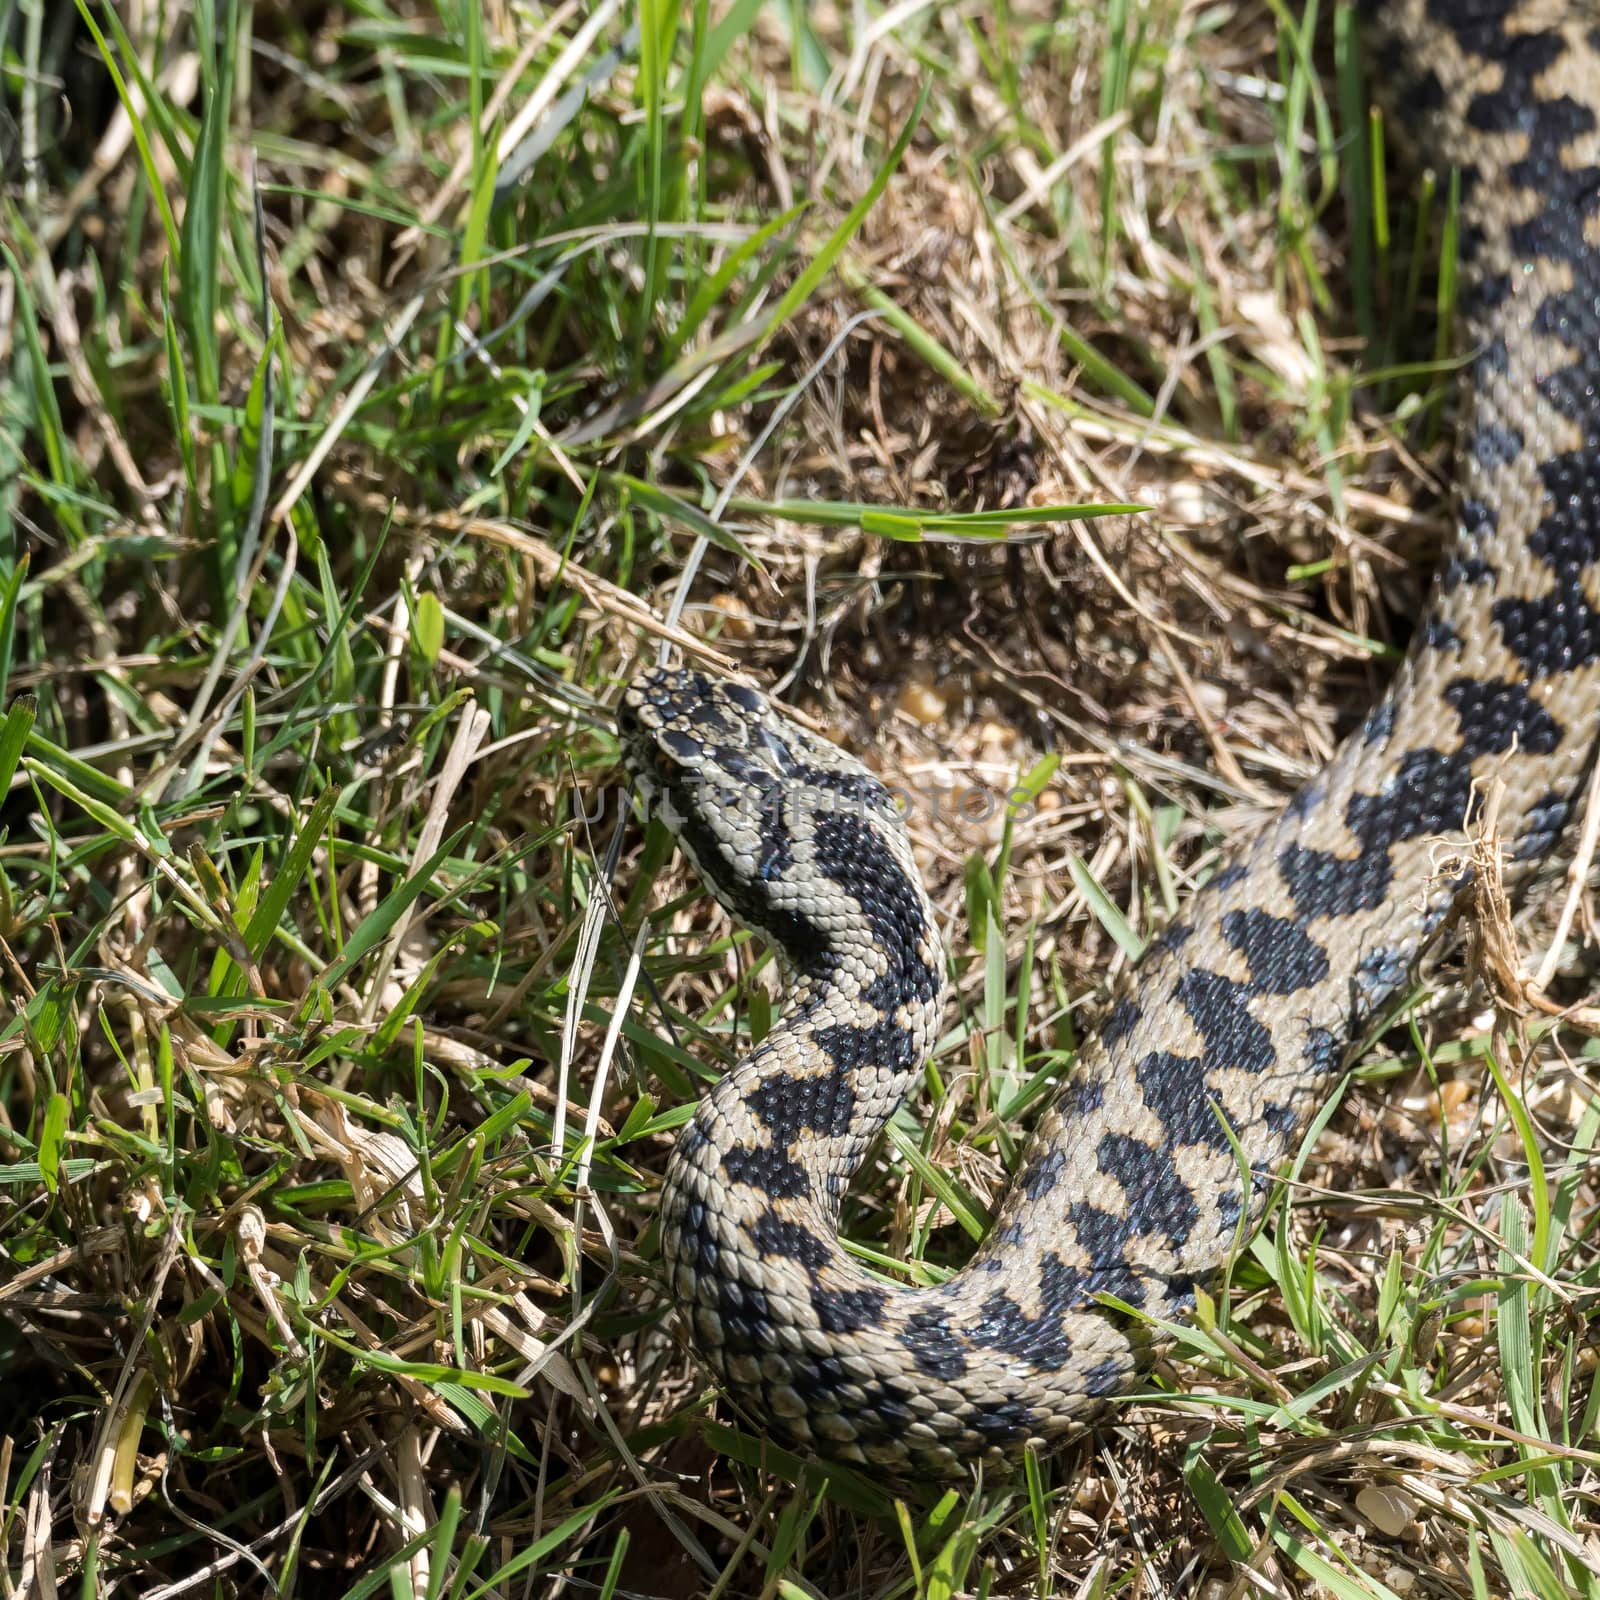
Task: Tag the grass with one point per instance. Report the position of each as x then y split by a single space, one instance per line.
380 387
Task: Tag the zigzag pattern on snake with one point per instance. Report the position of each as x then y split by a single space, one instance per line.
1236 1024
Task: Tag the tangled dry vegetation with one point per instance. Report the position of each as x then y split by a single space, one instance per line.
379 385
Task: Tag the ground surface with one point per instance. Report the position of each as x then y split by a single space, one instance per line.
373 400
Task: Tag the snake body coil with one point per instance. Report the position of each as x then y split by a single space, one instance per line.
1243 1011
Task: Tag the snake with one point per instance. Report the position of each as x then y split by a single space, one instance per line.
1158 1153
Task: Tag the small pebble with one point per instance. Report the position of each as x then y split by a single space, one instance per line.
1386 1509
922 702
1188 503
736 620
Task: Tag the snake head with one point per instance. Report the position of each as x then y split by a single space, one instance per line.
699 740
682 731
740 785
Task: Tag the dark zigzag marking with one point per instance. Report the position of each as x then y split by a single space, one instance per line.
1572 316
794 1103
935 1346
1555 633
803 943
1430 792
848 1310
1175 1089
1549 123
778 1236
858 788
1043 1340
1119 1024
773 1172
1281 956
1157 1199
1496 715
883 1043
1216 1006
1043 1175
1558 631
852 855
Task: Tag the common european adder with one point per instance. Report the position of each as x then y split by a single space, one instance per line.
1236 1025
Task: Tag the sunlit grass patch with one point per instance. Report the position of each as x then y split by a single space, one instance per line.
379 386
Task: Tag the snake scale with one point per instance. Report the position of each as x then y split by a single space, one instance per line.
1237 1023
